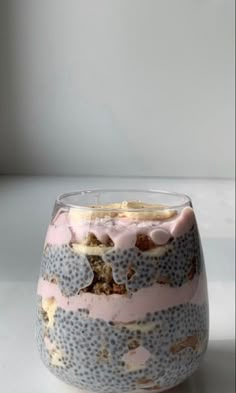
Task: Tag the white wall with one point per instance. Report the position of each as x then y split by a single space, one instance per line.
119 87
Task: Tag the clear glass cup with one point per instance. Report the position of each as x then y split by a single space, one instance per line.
122 293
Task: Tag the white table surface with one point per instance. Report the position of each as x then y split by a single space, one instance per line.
25 208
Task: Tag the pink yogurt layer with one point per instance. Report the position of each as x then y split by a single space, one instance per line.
59 232
123 232
58 235
124 309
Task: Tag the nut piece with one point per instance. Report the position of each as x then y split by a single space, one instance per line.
91 240
103 355
144 242
133 345
49 307
153 388
144 381
119 289
55 354
190 341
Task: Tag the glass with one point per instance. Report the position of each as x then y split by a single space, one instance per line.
122 293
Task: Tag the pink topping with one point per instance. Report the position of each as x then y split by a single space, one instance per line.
183 222
160 236
125 239
121 308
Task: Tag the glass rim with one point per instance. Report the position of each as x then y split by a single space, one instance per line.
186 200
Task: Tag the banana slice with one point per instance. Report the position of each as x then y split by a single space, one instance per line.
76 215
90 250
139 205
148 215
56 359
101 249
156 212
158 251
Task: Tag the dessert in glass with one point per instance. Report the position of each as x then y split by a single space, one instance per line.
122 295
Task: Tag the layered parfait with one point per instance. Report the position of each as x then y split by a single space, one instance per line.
122 297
